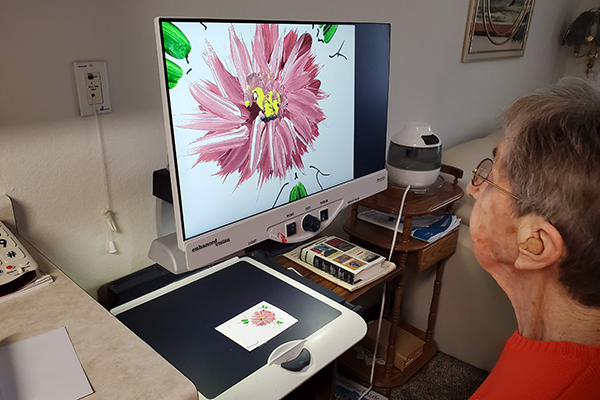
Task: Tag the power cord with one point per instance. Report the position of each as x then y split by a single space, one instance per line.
383 295
106 211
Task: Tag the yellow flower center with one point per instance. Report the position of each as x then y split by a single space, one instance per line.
268 103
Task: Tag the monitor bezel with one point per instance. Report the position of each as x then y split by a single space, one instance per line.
184 243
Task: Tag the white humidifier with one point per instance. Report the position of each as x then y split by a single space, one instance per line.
414 156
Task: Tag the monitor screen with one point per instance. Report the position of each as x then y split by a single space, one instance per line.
261 115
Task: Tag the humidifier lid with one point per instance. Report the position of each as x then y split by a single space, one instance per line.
416 134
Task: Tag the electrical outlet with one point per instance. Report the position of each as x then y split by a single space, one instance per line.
92 87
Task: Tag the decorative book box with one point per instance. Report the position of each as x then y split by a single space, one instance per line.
408 346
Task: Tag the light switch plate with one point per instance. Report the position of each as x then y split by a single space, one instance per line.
92 87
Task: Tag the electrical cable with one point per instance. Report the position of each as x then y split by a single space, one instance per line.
106 211
383 296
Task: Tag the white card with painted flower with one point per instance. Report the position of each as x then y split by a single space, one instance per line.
257 325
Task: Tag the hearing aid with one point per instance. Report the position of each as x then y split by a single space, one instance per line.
532 245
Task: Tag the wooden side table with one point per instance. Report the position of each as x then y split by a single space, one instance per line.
410 252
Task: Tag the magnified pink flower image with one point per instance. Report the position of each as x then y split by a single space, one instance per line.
263 115
262 318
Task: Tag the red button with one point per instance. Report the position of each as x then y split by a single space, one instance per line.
9 267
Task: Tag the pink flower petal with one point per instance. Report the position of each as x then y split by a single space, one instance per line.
217 105
227 83
256 134
206 122
241 58
212 145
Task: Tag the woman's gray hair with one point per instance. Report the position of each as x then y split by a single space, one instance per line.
552 161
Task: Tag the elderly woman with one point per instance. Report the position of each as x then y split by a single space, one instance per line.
535 228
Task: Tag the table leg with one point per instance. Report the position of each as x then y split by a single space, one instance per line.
389 298
391 349
437 287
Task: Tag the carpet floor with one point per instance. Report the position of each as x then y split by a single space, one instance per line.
442 378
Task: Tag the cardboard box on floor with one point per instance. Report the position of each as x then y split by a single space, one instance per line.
408 346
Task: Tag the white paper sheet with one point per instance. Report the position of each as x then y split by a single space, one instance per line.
257 325
42 367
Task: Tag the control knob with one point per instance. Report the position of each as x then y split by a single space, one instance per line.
311 224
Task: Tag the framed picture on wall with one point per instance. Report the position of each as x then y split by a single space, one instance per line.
496 29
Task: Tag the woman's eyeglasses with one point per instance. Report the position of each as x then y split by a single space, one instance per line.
481 173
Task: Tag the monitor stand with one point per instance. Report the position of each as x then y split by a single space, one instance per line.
165 252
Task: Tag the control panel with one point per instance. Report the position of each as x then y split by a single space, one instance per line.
15 261
304 226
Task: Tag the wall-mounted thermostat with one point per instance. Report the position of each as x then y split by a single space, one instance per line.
92 87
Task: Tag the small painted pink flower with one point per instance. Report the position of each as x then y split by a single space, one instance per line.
262 116
262 318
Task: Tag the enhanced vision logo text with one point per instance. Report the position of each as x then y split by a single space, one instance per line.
214 242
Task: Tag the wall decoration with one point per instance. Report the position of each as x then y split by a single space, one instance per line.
583 34
496 29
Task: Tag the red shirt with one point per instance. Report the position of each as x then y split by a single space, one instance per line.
535 370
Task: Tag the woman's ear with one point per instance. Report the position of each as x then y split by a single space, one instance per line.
540 243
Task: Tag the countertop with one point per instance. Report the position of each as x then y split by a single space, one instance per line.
118 364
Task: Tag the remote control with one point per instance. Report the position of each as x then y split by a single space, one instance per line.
17 267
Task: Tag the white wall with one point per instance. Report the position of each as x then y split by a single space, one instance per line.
50 165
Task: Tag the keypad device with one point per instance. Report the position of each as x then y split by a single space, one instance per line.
15 261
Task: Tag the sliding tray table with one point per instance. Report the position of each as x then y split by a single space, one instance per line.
179 322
